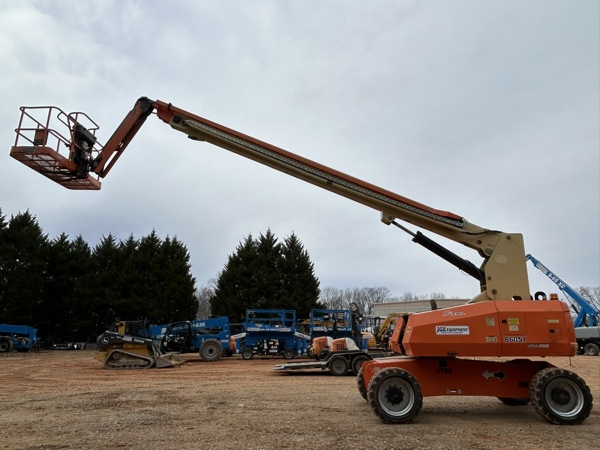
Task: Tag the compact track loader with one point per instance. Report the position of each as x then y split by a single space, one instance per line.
118 350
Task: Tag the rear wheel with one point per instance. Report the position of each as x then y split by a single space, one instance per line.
210 349
360 384
560 396
339 366
288 353
395 395
6 345
591 349
247 353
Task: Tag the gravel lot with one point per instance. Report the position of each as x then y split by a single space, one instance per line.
66 400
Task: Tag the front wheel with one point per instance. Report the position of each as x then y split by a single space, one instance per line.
591 349
288 353
247 353
210 349
395 395
560 396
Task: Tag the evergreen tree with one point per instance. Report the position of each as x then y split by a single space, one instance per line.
66 306
23 245
162 289
3 260
176 292
80 300
234 291
300 283
105 295
264 274
147 279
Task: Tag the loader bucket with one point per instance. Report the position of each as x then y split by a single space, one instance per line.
168 360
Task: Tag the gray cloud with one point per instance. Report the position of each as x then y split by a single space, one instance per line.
487 109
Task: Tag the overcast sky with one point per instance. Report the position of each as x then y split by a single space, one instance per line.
487 109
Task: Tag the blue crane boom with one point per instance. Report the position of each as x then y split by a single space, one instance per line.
587 314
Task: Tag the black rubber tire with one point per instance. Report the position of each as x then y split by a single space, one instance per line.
338 366
322 354
591 349
560 396
288 353
210 350
6 345
395 395
514 401
247 354
360 384
358 361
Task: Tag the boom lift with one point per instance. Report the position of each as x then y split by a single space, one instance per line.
587 314
587 322
502 320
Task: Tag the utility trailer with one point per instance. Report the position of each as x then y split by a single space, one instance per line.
334 324
270 332
21 338
338 356
344 357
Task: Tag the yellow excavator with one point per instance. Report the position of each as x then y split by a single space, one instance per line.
379 333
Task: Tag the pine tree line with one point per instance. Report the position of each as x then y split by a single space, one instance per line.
264 273
70 291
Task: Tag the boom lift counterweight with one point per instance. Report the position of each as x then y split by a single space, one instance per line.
502 320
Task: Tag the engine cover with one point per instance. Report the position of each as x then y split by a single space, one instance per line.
492 328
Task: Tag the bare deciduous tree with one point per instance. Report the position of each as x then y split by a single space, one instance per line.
203 295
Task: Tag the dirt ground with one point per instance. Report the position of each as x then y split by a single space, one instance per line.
66 400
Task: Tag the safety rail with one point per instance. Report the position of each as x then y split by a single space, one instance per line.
41 146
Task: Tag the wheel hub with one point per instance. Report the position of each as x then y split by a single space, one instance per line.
560 396
394 395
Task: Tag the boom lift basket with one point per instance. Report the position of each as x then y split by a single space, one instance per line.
60 146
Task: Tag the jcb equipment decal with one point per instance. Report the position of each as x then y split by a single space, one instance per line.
452 329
